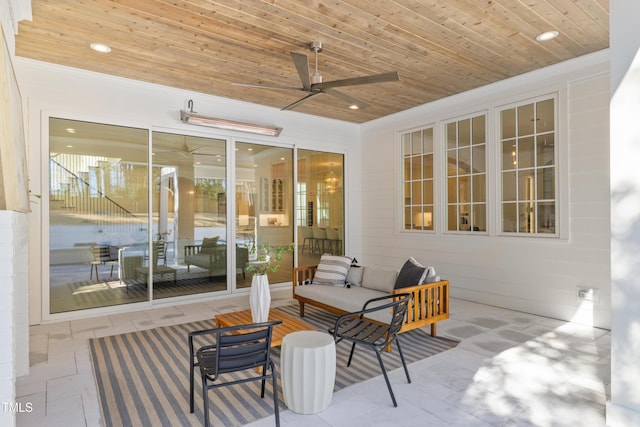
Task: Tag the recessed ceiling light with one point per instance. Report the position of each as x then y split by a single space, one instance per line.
70 130
100 47
69 146
547 35
353 107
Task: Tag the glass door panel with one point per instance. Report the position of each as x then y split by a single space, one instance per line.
98 214
320 205
264 206
189 215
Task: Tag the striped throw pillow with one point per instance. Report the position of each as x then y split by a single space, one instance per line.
332 270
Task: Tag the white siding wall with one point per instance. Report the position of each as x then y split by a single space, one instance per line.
61 91
537 275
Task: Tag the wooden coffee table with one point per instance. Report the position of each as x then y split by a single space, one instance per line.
289 323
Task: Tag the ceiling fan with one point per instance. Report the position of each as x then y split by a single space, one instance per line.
186 151
315 86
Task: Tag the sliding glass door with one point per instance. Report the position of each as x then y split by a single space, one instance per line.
189 215
264 205
320 205
98 208
135 217
105 247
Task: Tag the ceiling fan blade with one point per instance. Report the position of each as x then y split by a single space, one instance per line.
268 86
300 101
302 65
347 98
365 80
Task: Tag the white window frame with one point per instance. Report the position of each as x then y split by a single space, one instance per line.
436 212
559 166
445 174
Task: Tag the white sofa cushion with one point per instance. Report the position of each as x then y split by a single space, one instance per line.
379 279
347 299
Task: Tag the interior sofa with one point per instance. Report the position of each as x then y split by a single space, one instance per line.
212 256
430 303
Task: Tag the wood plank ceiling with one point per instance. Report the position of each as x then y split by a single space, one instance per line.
438 47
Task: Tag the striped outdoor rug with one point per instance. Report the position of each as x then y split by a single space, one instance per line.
143 377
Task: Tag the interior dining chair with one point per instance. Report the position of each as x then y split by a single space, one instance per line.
102 255
319 239
307 238
334 242
357 328
238 348
160 248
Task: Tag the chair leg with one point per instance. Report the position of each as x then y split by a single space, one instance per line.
404 364
353 347
264 380
386 378
191 368
205 401
276 404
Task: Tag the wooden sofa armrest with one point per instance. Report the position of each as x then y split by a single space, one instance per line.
429 305
301 275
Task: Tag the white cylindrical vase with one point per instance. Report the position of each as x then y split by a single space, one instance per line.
260 298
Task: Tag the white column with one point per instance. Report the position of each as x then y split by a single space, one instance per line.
624 407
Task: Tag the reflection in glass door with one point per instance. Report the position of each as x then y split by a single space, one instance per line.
320 205
264 205
189 215
110 246
98 211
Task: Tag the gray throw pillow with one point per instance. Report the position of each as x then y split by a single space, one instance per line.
411 274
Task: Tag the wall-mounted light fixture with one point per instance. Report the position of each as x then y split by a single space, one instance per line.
194 118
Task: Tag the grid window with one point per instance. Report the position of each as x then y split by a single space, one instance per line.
528 168
417 157
466 174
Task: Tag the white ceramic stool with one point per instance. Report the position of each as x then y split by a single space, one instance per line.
308 371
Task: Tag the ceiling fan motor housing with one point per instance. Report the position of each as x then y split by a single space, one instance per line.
315 46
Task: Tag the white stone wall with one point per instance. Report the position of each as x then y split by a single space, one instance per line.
14 333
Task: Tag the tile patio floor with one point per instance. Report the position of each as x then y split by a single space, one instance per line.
510 369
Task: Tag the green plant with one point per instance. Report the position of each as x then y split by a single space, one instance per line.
268 257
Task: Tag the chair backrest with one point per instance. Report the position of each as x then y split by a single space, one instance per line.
159 248
319 233
242 256
101 253
306 232
243 347
399 308
332 234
